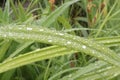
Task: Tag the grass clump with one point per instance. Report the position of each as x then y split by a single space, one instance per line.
59 40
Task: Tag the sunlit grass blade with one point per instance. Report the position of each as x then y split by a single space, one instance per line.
110 41
4 48
34 56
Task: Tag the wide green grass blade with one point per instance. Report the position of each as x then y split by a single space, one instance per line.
33 56
95 71
109 41
61 39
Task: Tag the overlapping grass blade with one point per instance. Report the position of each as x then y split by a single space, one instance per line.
109 41
98 70
54 37
4 48
31 57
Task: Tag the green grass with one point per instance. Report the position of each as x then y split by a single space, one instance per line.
67 43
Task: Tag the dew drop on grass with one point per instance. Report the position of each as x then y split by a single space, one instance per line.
70 75
74 38
10 34
109 67
49 40
61 34
100 70
69 42
105 73
5 35
41 29
96 64
115 74
37 50
84 47
19 28
28 28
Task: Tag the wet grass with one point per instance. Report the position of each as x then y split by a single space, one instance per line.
61 40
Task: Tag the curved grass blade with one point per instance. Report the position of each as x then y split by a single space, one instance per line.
106 74
55 48
96 71
4 48
61 39
33 56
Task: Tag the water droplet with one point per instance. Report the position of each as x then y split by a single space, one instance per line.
20 28
49 40
84 74
105 74
84 47
99 70
103 48
10 34
41 29
93 52
5 35
109 67
96 64
28 28
74 38
69 42
37 50
61 34
115 75
70 75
